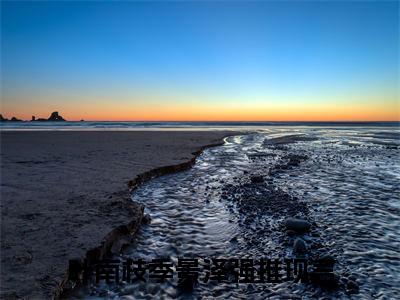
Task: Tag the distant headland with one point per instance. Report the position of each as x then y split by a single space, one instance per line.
53 117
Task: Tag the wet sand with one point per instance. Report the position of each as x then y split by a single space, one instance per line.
62 193
329 196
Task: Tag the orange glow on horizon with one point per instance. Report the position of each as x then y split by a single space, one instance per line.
218 112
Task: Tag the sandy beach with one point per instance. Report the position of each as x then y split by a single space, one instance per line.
199 150
62 193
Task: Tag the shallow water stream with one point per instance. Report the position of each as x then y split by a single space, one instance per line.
345 181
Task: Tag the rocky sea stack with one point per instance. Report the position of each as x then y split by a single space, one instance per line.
14 119
53 117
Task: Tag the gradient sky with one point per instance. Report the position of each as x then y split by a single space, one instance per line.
224 60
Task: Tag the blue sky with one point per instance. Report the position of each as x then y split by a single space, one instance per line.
63 54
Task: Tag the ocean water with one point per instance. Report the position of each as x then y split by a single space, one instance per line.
345 181
93 125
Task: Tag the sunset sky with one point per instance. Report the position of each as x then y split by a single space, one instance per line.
254 61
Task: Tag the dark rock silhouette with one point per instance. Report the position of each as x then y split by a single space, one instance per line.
297 225
14 119
55 117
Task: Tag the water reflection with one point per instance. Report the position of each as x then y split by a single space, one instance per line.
348 185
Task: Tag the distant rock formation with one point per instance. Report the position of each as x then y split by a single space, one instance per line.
14 119
55 117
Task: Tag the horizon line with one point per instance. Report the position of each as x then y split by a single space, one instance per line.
221 121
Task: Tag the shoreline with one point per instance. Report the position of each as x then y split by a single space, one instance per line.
128 230
117 204
272 194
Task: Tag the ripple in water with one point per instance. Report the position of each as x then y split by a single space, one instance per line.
348 186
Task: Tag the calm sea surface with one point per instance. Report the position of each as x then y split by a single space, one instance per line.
177 125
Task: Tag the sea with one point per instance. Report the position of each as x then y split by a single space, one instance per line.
110 125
